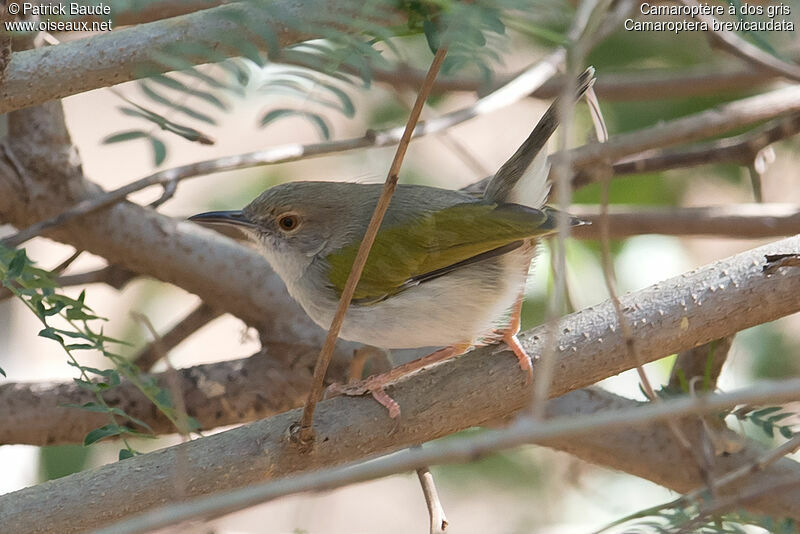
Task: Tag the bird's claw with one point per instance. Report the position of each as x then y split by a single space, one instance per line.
372 385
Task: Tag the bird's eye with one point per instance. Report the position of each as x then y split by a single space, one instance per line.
288 222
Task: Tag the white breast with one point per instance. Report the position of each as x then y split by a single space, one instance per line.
459 307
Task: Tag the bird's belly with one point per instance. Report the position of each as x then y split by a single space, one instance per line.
459 307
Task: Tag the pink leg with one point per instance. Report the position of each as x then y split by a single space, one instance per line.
375 384
509 336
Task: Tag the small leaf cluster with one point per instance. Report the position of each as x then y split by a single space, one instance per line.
672 518
84 331
768 419
345 52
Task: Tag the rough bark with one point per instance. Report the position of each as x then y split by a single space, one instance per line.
677 314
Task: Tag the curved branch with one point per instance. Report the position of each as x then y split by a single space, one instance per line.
39 75
783 487
715 121
677 314
742 149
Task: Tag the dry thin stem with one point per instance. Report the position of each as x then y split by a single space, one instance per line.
306 434
438 521
173 380
589 11
630 345
454 451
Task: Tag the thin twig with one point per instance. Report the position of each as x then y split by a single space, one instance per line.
732 43
194 321
438 521
707 123
306 432
697 495
113 275
589 12
174 382
451 451
742 149
736 221
626 86
735 501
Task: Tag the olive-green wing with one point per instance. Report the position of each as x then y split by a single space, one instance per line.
435 241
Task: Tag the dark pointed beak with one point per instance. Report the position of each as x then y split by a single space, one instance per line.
232 218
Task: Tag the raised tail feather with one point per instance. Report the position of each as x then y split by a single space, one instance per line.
523 178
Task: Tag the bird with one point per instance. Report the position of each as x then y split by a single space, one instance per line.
447 268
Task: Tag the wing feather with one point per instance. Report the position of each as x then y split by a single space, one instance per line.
408 254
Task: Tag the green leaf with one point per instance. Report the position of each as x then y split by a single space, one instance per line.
194 424
769 430
125 136
84 384
3 372
50 333
73 334
159 150
17 264
318 121
778 417
163 398
54 309
80 346
137 421
75 314
104 431
124 454
786 432
765 411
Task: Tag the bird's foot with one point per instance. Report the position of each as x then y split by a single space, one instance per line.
376 384
516 347
373 385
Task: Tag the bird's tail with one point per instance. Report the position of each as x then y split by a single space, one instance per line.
523 178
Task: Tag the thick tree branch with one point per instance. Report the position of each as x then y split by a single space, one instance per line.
37 76
218 394
702 363
677 314
526 431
